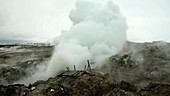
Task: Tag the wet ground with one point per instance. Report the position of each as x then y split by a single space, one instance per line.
15 60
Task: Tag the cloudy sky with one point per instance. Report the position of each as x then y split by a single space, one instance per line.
42 20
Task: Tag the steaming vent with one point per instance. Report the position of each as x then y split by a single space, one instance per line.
98 31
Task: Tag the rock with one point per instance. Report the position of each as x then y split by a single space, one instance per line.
140 64
9 74
83 83
156 89
14 90
127 86
78 83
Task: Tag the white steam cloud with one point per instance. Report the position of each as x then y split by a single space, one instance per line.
98 31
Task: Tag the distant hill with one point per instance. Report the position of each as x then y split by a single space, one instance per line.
14 41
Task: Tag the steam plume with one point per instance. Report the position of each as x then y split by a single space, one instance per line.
98 31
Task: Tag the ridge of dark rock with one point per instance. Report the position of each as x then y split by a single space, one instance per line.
83 83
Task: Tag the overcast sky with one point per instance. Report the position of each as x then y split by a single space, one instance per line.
41 20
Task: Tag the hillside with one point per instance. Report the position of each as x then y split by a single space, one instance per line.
139 69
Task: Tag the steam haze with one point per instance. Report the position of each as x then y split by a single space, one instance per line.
98 32
83 30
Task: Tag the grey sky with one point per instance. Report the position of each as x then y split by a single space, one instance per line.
40 20
148 20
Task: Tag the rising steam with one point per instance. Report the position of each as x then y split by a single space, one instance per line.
98 31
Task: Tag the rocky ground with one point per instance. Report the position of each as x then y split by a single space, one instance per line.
83 83
16 60
140 63
140 69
